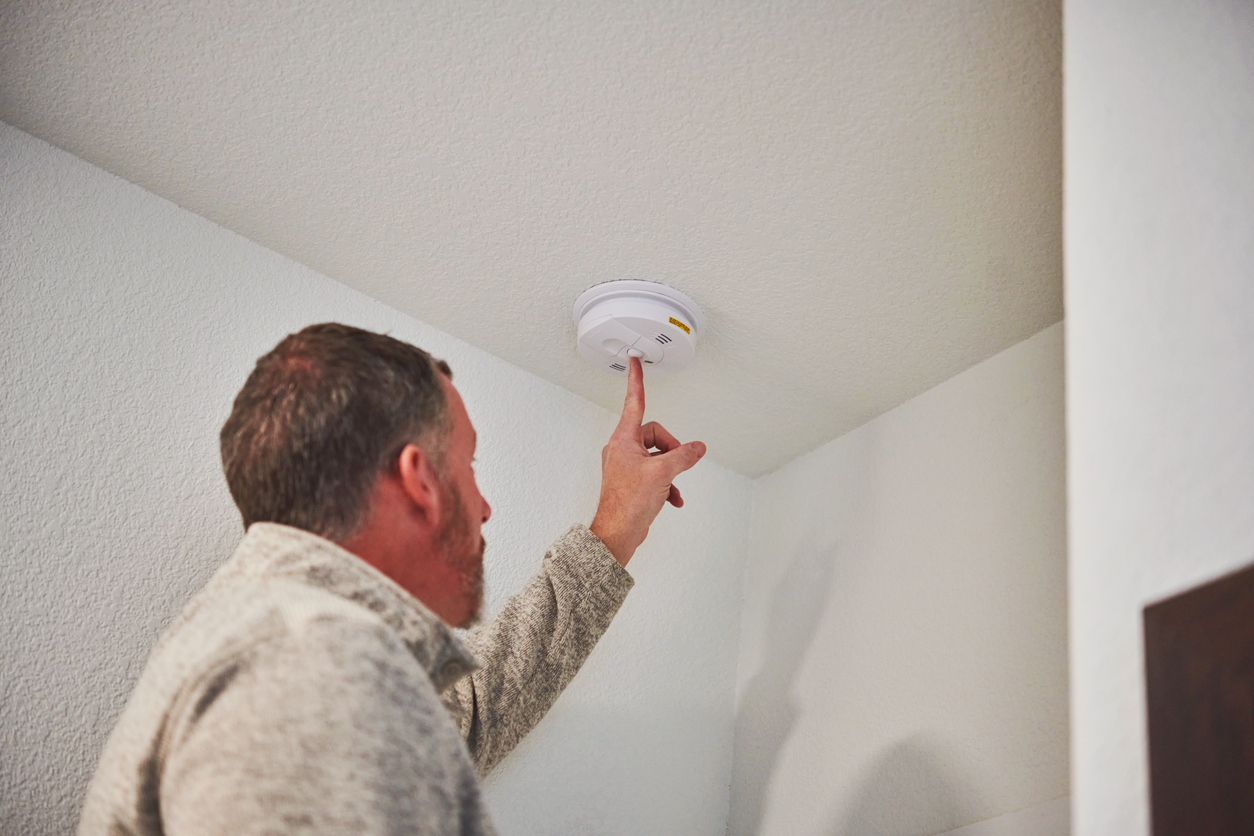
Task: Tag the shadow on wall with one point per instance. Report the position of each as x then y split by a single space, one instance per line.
766 715
910 790
913 788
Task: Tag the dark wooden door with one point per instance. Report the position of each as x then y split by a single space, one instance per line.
1199 671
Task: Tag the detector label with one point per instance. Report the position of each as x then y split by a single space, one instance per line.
675 321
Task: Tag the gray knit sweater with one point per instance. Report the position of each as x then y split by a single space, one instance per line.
302 691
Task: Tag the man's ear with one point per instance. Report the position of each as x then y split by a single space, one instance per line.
420 483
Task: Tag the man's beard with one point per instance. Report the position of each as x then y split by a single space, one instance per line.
465 561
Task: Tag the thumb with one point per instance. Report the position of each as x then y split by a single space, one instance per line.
683 457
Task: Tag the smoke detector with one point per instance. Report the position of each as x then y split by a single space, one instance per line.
625 319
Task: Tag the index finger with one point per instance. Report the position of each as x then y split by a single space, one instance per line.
633 404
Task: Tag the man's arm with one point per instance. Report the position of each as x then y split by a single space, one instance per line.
636 483
533 648
543 635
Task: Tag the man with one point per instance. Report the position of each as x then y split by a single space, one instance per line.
314 684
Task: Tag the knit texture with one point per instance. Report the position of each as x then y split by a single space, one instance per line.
303 691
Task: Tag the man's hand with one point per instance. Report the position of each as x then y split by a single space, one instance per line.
635 483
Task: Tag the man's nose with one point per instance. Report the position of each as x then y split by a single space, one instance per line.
487 509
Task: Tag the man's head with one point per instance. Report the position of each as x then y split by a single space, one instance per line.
362 439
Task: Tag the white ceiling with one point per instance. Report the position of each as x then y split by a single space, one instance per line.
864 197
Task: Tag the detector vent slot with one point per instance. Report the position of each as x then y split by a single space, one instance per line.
663 339
618 366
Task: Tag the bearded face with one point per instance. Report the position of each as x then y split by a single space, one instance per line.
463 556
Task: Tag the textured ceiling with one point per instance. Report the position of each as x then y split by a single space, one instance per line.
865 198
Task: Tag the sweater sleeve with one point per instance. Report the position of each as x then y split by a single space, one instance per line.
533 648
333 728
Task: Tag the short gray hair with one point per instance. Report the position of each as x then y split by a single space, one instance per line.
320 417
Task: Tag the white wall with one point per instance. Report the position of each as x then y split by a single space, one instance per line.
128 326
1159 218
903 661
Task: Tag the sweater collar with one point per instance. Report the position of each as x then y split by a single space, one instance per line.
271 550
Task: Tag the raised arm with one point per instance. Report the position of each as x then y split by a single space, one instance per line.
536 644
638 470
533 648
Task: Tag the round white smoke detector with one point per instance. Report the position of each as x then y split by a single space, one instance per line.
624 319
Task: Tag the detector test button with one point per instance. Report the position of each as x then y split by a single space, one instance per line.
648 351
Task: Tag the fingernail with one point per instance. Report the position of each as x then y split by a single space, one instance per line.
699 447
